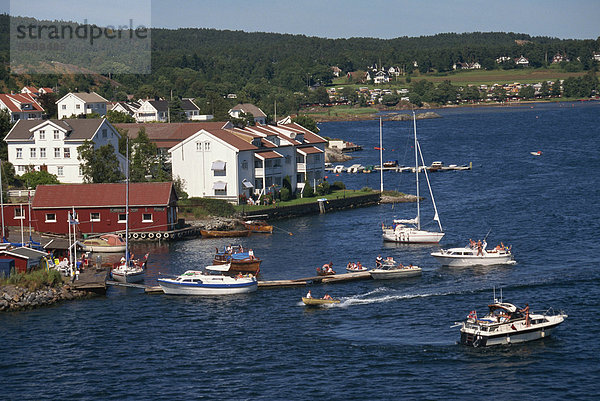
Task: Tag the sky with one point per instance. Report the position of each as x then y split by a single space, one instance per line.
565 19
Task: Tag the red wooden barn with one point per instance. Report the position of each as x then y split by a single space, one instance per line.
100 208
25 258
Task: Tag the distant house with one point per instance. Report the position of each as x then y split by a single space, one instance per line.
596 56
74 104
100 208
192 111
503 59
559 58
152 110
522 61
51 145
381 77
394 71
336 71
33 91
259 116
129 108
21 106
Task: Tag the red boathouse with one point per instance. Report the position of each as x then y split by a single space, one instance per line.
100 208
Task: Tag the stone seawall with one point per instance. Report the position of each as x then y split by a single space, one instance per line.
330 205
13 298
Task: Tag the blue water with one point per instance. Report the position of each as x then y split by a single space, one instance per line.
386 340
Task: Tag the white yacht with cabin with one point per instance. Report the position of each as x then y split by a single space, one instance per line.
475 254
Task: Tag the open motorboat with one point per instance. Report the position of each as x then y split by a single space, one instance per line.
258 226
475 254
356 267
409 231
319 301
390 270
240 259
507 324
326 270
104 243
211 281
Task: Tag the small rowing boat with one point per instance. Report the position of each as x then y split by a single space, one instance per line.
223 234
258 226
319 301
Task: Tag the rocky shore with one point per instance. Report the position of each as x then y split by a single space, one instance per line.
14 298
403 198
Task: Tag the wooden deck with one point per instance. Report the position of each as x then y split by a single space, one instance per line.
92 279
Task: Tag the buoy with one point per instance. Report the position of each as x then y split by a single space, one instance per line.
151 235
135 235
158 235
165 235
143 235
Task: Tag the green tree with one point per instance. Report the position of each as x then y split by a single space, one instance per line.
555 89
5 126
143 159
545 89
390 99
306 122
116 117
527 92
48 103
177 114
33 178
99 165
308 191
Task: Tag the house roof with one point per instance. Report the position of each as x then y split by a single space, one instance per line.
249 108
268 154
167 135
67 196
14 102
24 252
310 150
77 129
92 97
159 105
188 104
309 136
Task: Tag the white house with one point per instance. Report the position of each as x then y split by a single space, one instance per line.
229 162
381 77
192 111
74 104
51 145
21 106
129 108
152 110
259 116
522 61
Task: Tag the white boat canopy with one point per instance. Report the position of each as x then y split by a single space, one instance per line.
407 221
219 268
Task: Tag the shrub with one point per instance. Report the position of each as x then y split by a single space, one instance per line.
308 191
366 189
285 194
323 188
204 206
338 185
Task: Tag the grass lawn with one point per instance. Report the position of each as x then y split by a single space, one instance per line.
334 195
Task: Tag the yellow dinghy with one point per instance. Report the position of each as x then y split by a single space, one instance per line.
319 301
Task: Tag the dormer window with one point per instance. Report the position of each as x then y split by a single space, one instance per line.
42 134
56 134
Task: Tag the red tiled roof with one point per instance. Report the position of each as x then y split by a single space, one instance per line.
167 135
12 102
268 154
309 150
102 195
309 136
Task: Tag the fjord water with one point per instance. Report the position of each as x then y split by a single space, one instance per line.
386 339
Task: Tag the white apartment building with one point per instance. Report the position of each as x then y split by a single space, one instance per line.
74 104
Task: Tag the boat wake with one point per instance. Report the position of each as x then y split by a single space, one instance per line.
379 296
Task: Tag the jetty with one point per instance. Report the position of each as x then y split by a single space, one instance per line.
435 167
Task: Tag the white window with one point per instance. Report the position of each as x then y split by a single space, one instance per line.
147 218
104 133
42 153
19 213
56 134
60 171
198 146
95 216
42 134
50 218
57 153
21 169
19 153
206 146
64 106
122 218
77 106
32 153
67 153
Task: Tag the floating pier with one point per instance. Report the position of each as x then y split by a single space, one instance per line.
358 168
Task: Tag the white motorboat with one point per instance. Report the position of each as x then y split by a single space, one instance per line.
474 255
409 231
356 267
390 270
105 243
212 281
507 324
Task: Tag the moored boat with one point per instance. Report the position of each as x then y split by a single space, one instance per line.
240 259
390 270
212 281
356 267
507 324
105 243
258 226
224 233
475 254
326 270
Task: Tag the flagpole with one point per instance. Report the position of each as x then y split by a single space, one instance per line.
70 250
74 237
22 217
2 201
381 154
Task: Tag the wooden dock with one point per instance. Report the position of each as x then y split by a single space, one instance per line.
92 279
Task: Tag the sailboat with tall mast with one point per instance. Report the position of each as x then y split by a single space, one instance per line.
409 231
128 270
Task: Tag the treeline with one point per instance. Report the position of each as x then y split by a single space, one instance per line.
268 68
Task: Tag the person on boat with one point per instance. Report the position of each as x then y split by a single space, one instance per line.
525 310
358 266
239 275
472 243
479 248
327 296
228 249
378 261
251 253
309 295
349 266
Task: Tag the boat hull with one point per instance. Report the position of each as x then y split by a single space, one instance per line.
172 288
465 260
319 301
504 337
259 228
243 266
103 249
135 277
412 236
378 274
224 234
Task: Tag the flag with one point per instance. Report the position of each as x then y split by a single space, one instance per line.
73 218
472 315
378 148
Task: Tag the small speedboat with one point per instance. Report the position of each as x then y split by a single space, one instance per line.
355 268
258 226
211 281
326 270
240 259
538 153
390 270
104 243
319 301
475 255
507 324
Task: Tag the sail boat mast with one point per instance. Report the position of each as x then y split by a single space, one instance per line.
417 171
127 204
381 154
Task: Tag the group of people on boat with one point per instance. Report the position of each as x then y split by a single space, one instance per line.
326 296
379 261
480 246
354 266
327 268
